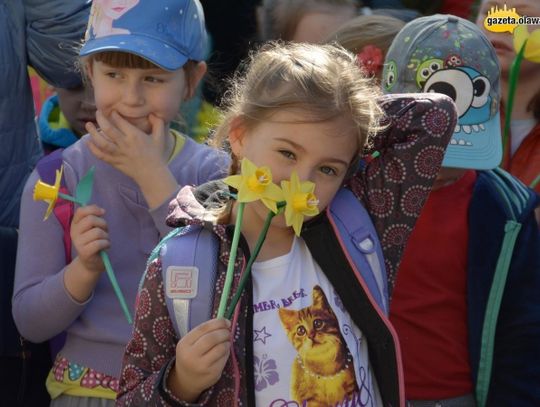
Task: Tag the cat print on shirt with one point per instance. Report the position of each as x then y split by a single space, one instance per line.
322 373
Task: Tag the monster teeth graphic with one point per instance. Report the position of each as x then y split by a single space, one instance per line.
474 128
460 142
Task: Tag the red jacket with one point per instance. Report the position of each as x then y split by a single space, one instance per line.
525 163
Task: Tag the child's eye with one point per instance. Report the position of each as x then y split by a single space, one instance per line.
328 170
112 75
153 79
287 154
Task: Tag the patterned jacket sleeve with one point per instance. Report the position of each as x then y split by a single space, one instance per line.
151 351
394 186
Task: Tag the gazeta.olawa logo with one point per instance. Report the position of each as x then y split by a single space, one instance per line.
500 20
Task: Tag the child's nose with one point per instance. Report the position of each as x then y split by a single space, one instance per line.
305 173
133 94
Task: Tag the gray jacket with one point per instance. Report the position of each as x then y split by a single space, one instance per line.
43 34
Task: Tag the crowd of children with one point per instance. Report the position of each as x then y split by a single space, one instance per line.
401 269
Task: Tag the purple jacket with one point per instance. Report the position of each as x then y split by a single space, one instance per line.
97 331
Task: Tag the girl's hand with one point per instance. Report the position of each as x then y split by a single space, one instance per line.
90 235
200 358
126 147
142 157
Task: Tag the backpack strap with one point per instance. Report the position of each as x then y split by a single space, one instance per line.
63 210
189 258
360 241
514 197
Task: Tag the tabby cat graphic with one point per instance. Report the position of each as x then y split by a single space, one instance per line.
322 372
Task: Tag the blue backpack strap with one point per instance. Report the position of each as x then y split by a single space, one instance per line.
514 196
63 210
189 258
361 242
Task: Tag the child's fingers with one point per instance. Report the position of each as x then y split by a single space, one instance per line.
158 130
125 127
210 339
90 222
84 211
108 126
205 328
92 235
100 141
95 247
217 353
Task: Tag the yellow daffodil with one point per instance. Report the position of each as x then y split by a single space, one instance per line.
301 201
48 193
532 49
255 183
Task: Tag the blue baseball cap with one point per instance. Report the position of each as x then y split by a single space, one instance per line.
166 32
450 55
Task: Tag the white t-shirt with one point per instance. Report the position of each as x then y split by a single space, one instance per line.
317 368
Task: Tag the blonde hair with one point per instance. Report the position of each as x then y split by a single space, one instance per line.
278 19
320 82
377 30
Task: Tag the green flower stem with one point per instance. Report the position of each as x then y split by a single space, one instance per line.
70 198
232 259
535 182
116 287
512 85
251 260
108 266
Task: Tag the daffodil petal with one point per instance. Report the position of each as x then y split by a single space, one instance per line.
274 192
270 204
297 224
532 49
307 187
311 212
288 214
234 181
246 195
247 167
520 35
49 209
58 178
295 181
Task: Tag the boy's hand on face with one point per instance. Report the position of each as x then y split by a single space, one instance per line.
201 356
142 157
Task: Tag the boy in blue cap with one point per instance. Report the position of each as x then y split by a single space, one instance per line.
465 305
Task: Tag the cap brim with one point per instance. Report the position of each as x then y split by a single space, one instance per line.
156 51
477 146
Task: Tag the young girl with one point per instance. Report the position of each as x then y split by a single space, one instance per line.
306 331
140 80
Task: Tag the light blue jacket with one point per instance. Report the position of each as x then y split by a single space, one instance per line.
43 34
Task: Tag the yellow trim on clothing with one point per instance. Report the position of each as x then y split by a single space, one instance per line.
74 388
179 141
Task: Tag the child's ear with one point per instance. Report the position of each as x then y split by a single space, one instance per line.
88 72
193 78
237 133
